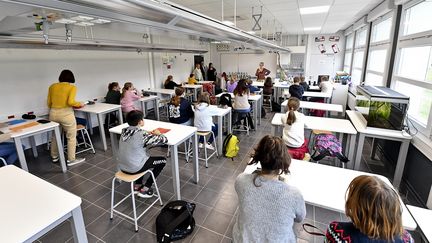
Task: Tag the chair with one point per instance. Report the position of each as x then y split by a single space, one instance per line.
242 115
109 124
88 145
204 134
165 104
121 176
3 160
268 104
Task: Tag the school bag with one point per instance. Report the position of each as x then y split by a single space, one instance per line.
225 99
276 107
230 146
328 145
175 221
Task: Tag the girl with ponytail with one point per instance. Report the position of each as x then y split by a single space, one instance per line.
180 109
128 97
293 132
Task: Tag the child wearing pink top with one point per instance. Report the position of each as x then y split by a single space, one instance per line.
128 98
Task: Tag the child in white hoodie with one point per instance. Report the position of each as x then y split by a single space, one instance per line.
203 119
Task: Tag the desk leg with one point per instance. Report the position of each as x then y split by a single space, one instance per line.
195 157
114 145
78 227
175 172
359 151
373 151
220 132
102 131
34 147
120 116
20 152
156 108
89 123
351 150
401 163
229 122
59 142
259 110
273 130
143 108
256 114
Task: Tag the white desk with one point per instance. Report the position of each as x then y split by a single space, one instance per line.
325 186
325 95
165 92
99 109
31 207
423 218
194 88
256 101
31 132
258 84
144 100
341 126
176 136
279 89
312 87
205 82
315 105
360 124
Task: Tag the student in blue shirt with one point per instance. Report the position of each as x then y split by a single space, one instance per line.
252 88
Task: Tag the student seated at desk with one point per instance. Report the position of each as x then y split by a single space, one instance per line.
7 150
325 85
268 206
203 120
134 155
252 88
268 86
296 90
232 83
180 109
293 131
128 97
375 211
304 84
170 84
113 95
191 79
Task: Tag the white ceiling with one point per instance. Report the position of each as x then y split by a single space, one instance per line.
284 15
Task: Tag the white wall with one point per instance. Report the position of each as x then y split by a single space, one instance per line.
247 62
328 63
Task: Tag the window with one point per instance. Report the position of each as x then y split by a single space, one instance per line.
374 79
420 101
415 63
358 59
418 18
349 41
381 31
377 60
348 52
361 37
347 60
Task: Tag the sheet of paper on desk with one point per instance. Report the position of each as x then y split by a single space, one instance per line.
15 122
27 125
163 130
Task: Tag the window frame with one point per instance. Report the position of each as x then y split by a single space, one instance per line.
356 49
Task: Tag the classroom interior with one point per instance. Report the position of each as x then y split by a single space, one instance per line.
375 53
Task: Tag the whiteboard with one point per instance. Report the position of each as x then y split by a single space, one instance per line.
245 62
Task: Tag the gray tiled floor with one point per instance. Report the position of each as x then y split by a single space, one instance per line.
215 197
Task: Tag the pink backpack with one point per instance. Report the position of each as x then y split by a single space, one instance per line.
328 145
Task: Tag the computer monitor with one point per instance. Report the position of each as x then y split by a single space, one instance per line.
321 76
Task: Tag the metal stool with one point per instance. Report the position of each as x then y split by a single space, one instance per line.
131 179
87 144
109 124
204 134
269 98
243 115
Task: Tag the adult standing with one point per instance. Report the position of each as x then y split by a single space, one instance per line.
61 101
261 72
198 73
204 69
211 73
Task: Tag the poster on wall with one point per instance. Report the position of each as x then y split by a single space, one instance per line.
319 38
335 48
322 48
334 38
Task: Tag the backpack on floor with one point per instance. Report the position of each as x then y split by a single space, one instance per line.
225 99
230 146
276 107
328 145
263 112
175 221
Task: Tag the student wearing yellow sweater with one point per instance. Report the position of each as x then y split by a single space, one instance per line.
61 101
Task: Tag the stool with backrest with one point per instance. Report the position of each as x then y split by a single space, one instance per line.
121 176
205 135
242 116
269 98
86 140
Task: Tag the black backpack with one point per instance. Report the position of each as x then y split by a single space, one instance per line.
276 107
225 99
175 221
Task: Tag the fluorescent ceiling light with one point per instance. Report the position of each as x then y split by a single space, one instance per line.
216 42
226 42
82 18
228 23
65 21
312 28
251 32
314 10
101 21
84 24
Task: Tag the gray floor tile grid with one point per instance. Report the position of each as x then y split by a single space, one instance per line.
214 195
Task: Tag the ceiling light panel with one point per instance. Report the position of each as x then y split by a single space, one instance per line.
312 29
314 10
84 24
82 18
65 21
100 21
